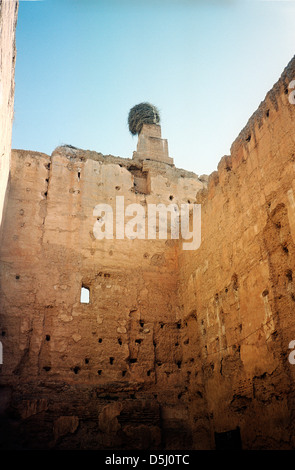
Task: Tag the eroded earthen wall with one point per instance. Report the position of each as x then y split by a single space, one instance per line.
8 18
174 346
98 375
237 290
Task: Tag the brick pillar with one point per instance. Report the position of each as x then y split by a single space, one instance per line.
151 146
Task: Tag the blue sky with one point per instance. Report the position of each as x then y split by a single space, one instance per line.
82 64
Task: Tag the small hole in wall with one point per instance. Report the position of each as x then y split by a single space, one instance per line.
235 282
161 325
85 297
248 138
171 197
86 360
289 275
124 373
141 323
265 293
79 175
267 113
3 333
76 369
120 341
47 368
99 371
286 91
138 341
148 373
117 188
17 276
285 248
99 340
178 364
293 297
111 361
132 361
179 325
47 337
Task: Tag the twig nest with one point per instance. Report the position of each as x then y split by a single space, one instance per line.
143 113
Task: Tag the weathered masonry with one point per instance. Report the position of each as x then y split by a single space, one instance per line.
123 344
8 19
115 356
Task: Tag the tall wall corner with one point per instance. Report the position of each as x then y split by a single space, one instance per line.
8 20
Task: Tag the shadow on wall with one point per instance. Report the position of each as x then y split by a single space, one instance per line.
229 440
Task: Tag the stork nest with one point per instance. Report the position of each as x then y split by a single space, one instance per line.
143 113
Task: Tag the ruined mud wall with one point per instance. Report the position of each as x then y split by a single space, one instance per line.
237 290
8 18
107 373
173 346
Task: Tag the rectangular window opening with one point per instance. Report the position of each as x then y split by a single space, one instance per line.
85 295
